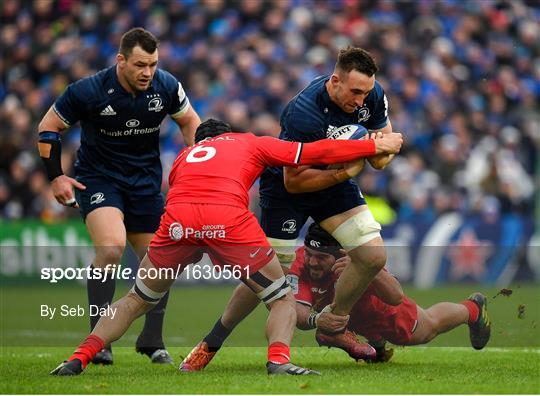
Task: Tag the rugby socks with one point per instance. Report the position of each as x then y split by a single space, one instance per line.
151 337
88 349
473 309
279 353
100 294
217 336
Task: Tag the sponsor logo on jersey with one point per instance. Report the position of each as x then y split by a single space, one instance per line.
213 231
108 111
363 114
97 198
318 290
155 105
289 226
133 123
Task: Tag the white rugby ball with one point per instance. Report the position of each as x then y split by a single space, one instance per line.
349 132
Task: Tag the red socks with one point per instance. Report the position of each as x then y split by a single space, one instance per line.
279 353
88 349
473 309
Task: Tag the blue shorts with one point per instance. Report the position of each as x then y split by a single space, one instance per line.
142 213
283 219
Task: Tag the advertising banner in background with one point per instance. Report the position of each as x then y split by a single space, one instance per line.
453 249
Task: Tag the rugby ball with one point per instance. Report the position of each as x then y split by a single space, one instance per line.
349 132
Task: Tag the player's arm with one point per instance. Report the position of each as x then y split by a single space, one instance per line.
380 161
388 288
183 114
188 122
306 179
50 151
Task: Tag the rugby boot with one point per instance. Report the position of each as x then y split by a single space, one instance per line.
288 369
480 331
198 358
161 356
349 343
383 354
103 357
71 367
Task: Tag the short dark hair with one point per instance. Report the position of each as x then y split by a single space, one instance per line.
211 128
138 36
354 58
318 239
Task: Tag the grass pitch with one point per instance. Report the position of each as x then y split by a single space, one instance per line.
31 346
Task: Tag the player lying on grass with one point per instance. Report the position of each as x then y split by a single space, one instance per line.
209 184
382 313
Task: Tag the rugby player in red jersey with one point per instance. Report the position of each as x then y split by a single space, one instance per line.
383 312
207 212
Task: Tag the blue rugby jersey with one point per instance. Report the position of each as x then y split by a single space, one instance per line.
311 116
120 131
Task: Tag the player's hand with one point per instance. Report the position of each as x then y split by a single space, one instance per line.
341 263
331 323
388 143
62 187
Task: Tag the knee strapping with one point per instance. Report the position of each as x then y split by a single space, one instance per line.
147 294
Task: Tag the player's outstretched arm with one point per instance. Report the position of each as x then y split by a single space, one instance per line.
50 151
305 179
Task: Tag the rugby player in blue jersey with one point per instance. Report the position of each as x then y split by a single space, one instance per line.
118 174
289 196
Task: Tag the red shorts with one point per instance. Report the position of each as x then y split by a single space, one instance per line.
230 235
374 320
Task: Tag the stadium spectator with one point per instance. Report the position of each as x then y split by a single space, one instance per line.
479 61
118 170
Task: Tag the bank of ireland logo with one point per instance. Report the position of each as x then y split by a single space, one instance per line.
155 105
176 231
133 123
363 114
97 198
289 226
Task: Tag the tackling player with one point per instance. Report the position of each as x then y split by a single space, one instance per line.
289 196
209 185
118 173
383 312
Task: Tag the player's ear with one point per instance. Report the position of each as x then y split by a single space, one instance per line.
121 59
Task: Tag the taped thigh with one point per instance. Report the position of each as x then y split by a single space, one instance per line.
285 250
357 230
144 292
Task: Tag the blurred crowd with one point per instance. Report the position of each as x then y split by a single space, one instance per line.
462 78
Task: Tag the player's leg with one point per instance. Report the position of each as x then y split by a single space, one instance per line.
282 223
145 294
359 234
142 216
106 229
446 316
272 289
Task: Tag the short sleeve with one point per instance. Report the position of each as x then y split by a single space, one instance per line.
71 106
379 119
302 122
180 101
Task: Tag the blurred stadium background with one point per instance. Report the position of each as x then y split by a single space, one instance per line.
460 205
462 78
